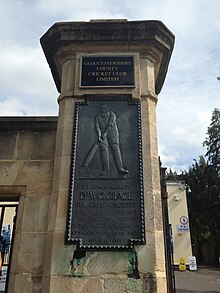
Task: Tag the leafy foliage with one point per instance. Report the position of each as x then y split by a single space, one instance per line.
203 178
212 141
172 175
203 204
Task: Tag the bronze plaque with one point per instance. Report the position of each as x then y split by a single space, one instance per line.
107 71
106 209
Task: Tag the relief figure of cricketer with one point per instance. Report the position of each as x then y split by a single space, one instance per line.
108 137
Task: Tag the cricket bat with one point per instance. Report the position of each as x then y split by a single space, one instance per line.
90 155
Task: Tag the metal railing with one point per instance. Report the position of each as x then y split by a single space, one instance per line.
7 228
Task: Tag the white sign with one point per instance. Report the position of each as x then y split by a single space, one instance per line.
192 263
182 228
184 220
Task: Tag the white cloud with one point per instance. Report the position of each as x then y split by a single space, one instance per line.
165 156
12 106
190 92
26 83
80 10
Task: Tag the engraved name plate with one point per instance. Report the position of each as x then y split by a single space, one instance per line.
106 209
107 71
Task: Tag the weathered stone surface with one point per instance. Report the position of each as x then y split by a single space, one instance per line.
27 138
116 285
36 175
146 253
161 282
23 283
37 145
147 69
153 251
11 283
35 221
65 128
106 262
61 178
79 285
150 283
62 255
68 75
30 250
7 143
62 211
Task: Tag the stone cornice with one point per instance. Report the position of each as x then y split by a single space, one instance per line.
132 35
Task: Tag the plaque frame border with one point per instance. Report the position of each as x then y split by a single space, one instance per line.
78 241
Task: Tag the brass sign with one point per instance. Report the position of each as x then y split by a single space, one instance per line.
106 209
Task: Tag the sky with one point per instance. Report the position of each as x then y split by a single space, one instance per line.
191 90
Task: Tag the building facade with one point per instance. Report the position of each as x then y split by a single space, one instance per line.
179 221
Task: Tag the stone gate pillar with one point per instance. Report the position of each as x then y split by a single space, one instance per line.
122 63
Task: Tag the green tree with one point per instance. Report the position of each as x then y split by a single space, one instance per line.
172 175
203 178
212 141
203 205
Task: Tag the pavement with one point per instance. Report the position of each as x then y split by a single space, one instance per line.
204 280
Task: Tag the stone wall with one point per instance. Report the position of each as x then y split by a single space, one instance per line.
26 169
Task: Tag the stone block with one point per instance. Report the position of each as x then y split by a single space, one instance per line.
62 207
66 109
123 285
149 202
11 282
151 256
20 213
160 262
80 285
150 282
61 173
45 284
106 262
9 171
146 256
58 211
31 247
47 256
14 256
7 144
61 255
68 75
27 138
26 283
35 145
161 282
52 211
158 213
23 283
42 224
35 215
64 135
36 175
